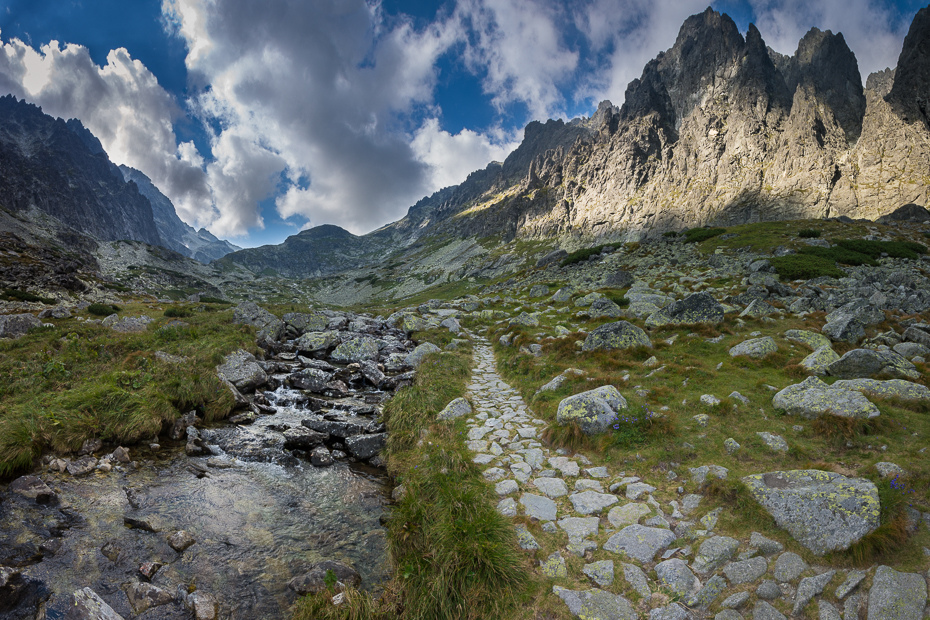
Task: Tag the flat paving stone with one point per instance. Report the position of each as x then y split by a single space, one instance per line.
568 467
601 573
640 542
551 487
591 502
579 527
539 507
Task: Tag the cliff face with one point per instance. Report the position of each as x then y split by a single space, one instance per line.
60 169
175 234
719 129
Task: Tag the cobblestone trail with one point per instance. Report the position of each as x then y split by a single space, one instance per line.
565 496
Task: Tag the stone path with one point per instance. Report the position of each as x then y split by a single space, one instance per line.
611 516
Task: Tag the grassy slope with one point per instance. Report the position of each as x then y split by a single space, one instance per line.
61 386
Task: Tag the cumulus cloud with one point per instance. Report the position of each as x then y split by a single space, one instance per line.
453 157
871 29
311 99
121 103
520 47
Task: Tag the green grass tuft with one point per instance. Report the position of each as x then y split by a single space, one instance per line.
804 267
809 233
696 235
102 309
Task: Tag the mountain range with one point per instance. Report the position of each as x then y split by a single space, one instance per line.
60 169
719 130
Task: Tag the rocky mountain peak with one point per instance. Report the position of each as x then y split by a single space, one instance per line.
910 96
824 64
880 82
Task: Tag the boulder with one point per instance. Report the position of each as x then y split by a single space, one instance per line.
594 411
890 388
548 259
813 398
817 362
16 325
364 447
906 213
143 596
312 379
847 328
242 370
455 409
563 294
695 308
677 577
131 324
757 308
756 348
823 511
897 596
619 335
525 319
421 351
356 350
808 339
302 438
868 363
861 310
32 487
601 308
311 342
303 322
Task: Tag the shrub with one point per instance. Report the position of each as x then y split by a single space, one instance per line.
809 233
874 249
14 295
177 312
671 234
102 309
839 254
585 254
213 300
696 235
804 267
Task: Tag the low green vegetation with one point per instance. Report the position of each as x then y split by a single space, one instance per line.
10 294
454 555
102 309
839 254
697 235
59 387
804 267
809 233
584 254
178 312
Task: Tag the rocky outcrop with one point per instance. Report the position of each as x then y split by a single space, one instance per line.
58 168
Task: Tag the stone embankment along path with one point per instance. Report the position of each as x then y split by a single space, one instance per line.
611 519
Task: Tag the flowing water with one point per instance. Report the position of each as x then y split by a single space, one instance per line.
257 524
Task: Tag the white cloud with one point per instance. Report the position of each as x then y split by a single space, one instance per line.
121 103
520 48
453 157
870 28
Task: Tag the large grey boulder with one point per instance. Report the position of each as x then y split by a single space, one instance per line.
824 511
847 328
270 328
867 363
676 576
813 398
311 342
242 370
619 335
456 408
756 348
859 309
601 308
16 325
302 322
416 356
594 411
897 596
695 308
890 388
819 361
596 604
312 379
366 446
356 350
808 339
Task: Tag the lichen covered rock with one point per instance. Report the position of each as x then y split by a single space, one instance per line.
813 398
594 411
695 308
619 335
824 511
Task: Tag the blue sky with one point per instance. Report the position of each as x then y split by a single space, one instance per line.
259 118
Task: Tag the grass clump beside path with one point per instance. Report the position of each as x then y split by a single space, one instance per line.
454 555
59 387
